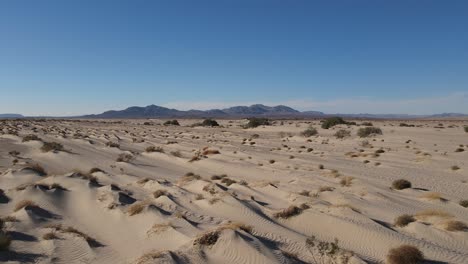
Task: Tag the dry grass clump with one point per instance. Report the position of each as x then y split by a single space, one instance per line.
136 208
218 177
432 213
346 181
405 254
24 203
404 220
125 157
342 133
171 123
159 193
454 225
154 149
91 241
463 203
49 236
369 131
401 184
228 181
455 168
94 170
207 239
433 196
326 189
51 146
210 152
31 137
289 212
309 132
237 226
37 169
111 144
190 176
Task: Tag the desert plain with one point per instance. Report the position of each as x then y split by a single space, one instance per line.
138 191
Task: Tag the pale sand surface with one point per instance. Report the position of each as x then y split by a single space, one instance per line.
118 209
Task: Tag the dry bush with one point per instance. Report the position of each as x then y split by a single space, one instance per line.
404 220
342 133
463 203
93 170
111 144
455 168
49 236
31 137
459 150
309 132
91 241
136 208
159 193
154 149
453 225
125 157
326 189
401 184
288 212
24 203
346 181
228 181
405 254
332 121
51 146
207 239
190 176
368 131
218 177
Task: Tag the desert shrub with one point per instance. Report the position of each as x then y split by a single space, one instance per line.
171 123
91 241
93 170
207 239
404 220
228 181
111 144
218 177
453 225
309 132
342 133
125 157
332 121
463 203
367 131
288 212
346 181
366 124
49 236
136 208
466 129
255 122
405 125
209 122
210 152
31 138
51 146
401 184
154 149
37 169
405 254
459 150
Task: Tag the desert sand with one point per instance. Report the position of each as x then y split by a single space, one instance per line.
136 191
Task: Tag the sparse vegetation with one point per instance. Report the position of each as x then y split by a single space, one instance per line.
51 146
154 149
256 122
159 193
333 121
290 211
125 157
24 203
207 239
136 208
454 225
309 132
210 123
404 220
401 184
111 144
31 137
368 131
37 169
405 254
342 133
463 203
171 123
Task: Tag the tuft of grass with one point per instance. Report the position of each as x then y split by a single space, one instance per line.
404 220
401 184
237 226
49 236
171 123
51 146
288 212
111 144
159 193
136 208
125 157
91 241
463 203
368 131
31 137
154 149
342 133
207 239
454 225
346 181
405 254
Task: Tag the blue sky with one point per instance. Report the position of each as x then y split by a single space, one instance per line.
79 57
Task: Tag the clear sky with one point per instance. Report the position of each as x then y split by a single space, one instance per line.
78 57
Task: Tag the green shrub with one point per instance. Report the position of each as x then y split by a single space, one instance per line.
255 122
367 131
332 121
309 132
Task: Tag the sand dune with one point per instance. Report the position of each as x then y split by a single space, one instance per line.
125 192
